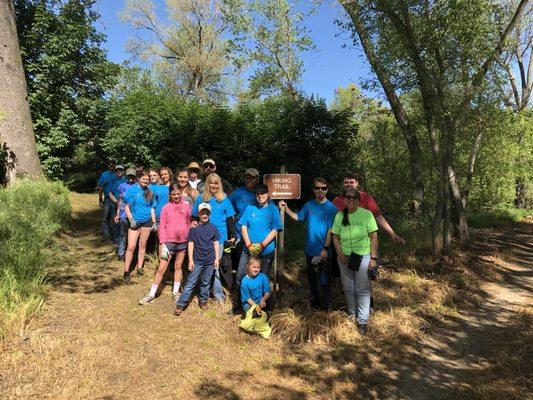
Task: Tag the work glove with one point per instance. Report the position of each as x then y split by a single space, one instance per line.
101 203
133 223
255 249
165 254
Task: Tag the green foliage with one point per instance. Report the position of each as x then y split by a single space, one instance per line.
32 212
67 74
161 129
495 217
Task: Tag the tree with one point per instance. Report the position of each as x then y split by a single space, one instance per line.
68 75
271 37
191 52
444 51
18 148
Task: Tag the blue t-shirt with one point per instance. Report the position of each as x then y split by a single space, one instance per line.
203 237
161 195
105 180
260 221
122 189
319 218
219 212
242 198
114 184
139 206
254 288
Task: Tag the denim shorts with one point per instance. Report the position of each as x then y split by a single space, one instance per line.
174 247
146 224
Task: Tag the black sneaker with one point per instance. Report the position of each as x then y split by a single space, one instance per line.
127 277
363 329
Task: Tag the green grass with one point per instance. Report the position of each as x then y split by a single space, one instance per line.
32 213
497 217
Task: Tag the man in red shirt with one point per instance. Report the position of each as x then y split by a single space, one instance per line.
367 201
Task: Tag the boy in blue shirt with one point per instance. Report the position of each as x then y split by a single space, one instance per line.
204 256
113 194
319 215
259 225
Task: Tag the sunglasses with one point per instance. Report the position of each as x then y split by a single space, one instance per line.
261 193
351 197
324 188
210 166
194 170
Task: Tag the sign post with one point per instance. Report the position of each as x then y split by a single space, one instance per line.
282 187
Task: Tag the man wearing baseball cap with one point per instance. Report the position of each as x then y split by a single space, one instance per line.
194 172
243 196
210 167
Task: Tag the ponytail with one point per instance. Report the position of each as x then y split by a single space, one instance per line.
148 194
345 219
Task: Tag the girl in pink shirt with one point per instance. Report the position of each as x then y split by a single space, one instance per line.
173 230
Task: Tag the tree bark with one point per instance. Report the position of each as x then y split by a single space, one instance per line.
16 130
413 145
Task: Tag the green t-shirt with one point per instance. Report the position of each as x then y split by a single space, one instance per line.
354 236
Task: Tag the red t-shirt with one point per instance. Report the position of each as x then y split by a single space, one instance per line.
366 201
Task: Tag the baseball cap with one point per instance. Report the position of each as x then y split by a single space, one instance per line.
120 166
204 206
261 188
192 165
251 172
131 171
209 161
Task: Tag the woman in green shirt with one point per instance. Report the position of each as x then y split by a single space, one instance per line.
356 240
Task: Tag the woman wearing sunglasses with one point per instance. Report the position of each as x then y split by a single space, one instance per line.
356 240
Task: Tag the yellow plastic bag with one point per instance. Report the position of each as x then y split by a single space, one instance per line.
258 326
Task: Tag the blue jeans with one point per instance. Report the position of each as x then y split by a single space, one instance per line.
203 272
123 236
356 285
216 283
109 214
266 262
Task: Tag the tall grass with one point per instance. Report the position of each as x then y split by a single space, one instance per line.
31 213
497 217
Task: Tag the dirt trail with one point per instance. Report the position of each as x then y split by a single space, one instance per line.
92 341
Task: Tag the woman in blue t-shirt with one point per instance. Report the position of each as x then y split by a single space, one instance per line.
140 212
221 216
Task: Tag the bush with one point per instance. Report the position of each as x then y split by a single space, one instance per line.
497 217
32 212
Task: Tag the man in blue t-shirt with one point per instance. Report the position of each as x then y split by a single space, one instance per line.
319 215
113 195
103 197
120 217
259 225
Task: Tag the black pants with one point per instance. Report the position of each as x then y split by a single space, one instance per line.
319 284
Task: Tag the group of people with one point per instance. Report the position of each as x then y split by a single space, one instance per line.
214 227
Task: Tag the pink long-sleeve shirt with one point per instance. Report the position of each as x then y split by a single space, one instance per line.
174 222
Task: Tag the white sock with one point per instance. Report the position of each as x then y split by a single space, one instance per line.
153 290
176 287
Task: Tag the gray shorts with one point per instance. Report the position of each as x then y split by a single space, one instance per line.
174 248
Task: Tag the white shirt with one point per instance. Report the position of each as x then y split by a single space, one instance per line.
195 183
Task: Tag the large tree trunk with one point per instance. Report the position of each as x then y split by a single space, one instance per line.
16 130
413 145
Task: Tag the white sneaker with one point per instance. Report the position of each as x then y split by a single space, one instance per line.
175 296
146 300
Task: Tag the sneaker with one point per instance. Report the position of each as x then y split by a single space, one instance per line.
146 300
175 296
203 305
140 271
178 311
120 258
127 277
363 329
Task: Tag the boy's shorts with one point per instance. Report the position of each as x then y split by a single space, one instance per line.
174 248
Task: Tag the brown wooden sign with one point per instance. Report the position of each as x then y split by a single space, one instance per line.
283 186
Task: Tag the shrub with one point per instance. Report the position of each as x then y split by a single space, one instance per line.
31 213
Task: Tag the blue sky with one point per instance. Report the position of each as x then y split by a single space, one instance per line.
327 68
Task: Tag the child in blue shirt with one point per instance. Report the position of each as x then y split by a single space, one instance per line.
204 256
255 287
